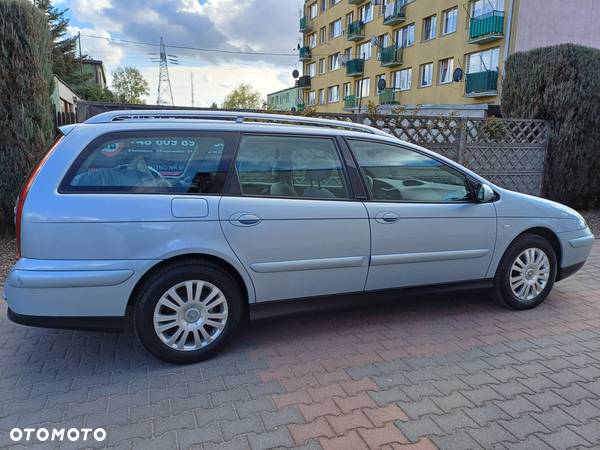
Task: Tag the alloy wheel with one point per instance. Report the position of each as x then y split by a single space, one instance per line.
529 274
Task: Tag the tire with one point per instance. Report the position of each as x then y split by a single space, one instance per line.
532 282
180 331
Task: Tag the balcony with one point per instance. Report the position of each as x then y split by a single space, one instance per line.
355 67
391 56
356 31
305 25
389 96
482 84
350 102
303 82
486 28
304 54
395 13
300 107
355 2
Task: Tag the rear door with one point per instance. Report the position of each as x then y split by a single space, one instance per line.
291 218
425 227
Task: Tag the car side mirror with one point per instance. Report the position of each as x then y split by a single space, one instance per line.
484 194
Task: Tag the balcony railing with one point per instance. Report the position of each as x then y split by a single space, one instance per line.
356 31
350 102
388 96
395 13
481 84
305 25
300 107
303 82
391 56
355 67
354 2
487 27
304 54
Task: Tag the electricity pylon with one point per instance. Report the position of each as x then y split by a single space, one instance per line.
165 94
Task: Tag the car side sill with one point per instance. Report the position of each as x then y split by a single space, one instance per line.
275 308
109 324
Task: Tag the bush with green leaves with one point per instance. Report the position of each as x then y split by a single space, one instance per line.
561 84
26 126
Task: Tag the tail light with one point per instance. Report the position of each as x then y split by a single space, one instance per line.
25 190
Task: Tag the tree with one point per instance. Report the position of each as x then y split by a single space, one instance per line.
97 94
129 85
560 84
242 97
25 81
214 106
65 62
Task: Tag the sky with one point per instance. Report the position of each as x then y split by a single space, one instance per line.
254 26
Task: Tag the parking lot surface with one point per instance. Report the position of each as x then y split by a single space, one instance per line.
453 371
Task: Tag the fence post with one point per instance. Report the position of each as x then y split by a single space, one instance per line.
461 140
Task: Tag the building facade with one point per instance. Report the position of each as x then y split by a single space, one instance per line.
288 100
416 46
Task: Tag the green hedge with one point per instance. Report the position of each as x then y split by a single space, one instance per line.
561 84
25 81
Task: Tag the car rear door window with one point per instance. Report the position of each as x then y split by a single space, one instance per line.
394 173
152 162
294 167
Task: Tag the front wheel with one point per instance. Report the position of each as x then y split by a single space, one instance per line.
526 273
187 312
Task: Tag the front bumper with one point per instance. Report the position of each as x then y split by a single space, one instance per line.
576 247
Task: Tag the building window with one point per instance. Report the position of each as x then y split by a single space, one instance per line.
363 87
323 34
335 29
405 36
347 89
312 70
402 79
321 66
312 98
426 75
384 41
379 78
334 62
323 5
483 61
313 10
450 21
312 40
333 94
348 54
335 2
429 27
482 7
446 69
364 50
321 96
365 13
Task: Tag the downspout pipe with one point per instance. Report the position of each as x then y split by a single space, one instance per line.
508 35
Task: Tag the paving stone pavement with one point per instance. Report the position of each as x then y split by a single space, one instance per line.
454 371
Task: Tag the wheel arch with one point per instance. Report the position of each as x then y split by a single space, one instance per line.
245 289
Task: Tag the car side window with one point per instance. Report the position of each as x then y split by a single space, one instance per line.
152 162
294 167
394 173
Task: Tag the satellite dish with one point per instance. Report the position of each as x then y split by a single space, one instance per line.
293 109
381 84
295 73
457 75
299 47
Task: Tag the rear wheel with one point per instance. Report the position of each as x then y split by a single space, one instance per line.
186 312
526 273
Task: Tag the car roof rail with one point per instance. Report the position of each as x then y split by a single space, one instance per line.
230 116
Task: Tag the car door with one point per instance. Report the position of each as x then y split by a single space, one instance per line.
291 218
425 227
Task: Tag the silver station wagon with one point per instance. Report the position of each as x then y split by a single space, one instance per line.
181 224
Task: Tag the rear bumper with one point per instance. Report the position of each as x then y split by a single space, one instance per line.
110 324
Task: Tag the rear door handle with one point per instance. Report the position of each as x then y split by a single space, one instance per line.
244 219
387 217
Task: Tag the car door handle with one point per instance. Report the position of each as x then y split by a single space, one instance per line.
387 217
244 219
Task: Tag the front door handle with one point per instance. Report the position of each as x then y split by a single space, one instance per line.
387 217
244 219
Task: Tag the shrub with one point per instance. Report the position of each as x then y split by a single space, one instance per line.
561 84
25 79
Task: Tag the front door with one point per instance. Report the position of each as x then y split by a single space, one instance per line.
294 225
425 227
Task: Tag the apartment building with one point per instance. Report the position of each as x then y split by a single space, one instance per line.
416 46
288 100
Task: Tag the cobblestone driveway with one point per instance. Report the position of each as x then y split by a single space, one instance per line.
454 371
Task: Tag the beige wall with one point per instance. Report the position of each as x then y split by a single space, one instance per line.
548 22
454 45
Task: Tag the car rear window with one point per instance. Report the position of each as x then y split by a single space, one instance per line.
152 163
